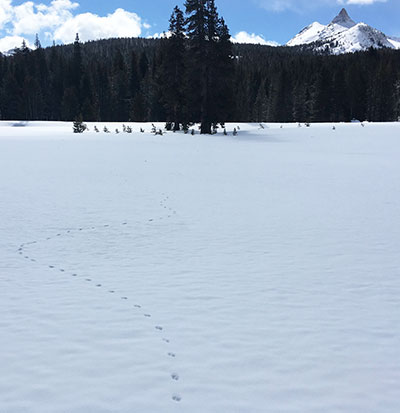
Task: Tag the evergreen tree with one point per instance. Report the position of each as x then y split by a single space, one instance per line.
70 107
12 100
79 126
119 90
138 108
24 48
143 65
321 97
37 42
338 109
77 69
134 81
224 74
397 100
209 51
299 106
71 104
197 63
259 103
90 110
174 70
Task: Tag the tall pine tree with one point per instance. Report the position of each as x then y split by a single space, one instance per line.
209 61
174 71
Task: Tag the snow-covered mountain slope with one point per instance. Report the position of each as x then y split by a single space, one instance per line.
343 35
395 41
310 34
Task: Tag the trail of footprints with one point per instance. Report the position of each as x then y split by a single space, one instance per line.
170 212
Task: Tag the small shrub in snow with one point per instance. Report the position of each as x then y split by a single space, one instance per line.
79 126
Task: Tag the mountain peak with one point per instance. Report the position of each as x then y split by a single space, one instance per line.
343 19
343 35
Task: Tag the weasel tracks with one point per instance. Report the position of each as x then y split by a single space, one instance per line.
22 251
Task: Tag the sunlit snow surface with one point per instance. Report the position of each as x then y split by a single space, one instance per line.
257 273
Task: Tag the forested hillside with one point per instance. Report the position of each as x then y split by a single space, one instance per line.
130 80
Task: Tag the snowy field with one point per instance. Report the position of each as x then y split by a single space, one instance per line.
161 274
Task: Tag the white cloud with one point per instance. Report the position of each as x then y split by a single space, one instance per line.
244 37
29 18
302 5
5 12
56 21
11 42
90 26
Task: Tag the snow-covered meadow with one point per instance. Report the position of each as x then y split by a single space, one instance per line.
250 274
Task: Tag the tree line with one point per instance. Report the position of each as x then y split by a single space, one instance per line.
197 75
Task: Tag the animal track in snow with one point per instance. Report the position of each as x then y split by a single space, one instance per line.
168 210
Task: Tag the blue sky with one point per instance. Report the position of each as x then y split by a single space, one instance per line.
273 20
265 16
